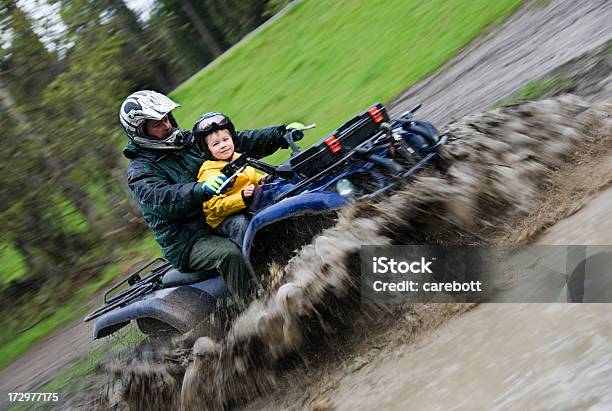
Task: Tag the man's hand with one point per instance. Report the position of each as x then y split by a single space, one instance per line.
212 184
295 129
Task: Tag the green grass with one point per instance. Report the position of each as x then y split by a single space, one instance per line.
325 61
539 88
15 343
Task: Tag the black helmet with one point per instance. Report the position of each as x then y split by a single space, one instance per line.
209 122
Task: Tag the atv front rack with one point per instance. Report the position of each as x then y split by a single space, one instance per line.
360 149
412 170
362 138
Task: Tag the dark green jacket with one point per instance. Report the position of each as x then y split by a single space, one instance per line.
162 183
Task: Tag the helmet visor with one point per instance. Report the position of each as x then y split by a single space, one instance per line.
208 124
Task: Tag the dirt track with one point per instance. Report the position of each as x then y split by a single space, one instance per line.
41 363
45 360
531 44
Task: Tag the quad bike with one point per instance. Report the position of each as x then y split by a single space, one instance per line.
366 157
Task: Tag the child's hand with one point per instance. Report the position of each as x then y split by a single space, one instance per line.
248 190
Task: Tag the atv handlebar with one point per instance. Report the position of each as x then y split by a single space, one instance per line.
229 180
235 167
410 113
291 141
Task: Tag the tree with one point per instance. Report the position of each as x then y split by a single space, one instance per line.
211 26
53 170
32 215
197 22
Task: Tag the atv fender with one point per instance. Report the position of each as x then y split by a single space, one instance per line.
181 307
307 203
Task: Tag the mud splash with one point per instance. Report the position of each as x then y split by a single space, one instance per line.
497 361
498 162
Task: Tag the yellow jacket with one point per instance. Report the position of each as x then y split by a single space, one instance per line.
219 207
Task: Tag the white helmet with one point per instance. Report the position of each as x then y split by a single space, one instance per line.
150 105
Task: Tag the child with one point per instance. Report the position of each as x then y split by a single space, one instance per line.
224 212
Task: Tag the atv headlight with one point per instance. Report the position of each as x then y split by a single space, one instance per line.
344 187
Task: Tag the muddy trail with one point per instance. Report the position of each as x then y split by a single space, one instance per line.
516 174
311 343
306 344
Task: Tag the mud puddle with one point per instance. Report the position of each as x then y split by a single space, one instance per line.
496 357
503 356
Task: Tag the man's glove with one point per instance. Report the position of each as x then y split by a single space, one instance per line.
208 189
295 129
212 184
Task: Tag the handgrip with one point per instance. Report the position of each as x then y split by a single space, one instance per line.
229 180
289 139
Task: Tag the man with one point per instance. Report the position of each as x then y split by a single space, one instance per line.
163 165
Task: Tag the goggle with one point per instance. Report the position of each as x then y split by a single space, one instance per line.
208 124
